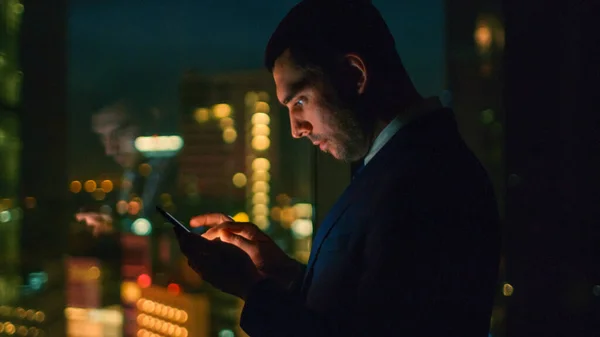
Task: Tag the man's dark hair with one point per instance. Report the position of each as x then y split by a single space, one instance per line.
318 33
130 100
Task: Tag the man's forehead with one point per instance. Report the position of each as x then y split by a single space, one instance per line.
108 118
285 74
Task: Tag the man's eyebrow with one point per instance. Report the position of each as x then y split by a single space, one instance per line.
294 88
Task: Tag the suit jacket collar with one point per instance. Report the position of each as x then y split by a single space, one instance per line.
433 127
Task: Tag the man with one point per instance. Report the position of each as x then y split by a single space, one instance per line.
117 128
411 247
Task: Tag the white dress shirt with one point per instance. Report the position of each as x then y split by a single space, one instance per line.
424 107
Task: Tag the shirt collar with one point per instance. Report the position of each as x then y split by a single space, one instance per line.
423 107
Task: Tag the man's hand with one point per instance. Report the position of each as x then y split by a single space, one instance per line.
223 265
268 258
100 223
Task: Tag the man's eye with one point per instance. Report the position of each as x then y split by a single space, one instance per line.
300 102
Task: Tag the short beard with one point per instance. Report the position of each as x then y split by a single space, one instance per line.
353 125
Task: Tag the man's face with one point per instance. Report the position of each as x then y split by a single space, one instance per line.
329 116
117 135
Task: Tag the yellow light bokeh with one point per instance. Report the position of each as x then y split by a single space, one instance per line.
262 107
261 222
260 198
75 186
483 36
221 110
261 164
226 122
239 180
9 328
260 118
241 217
263 96
93 273
106 186
229 135
288 215
260 210
201 115
303 210
40 316
261 143
90 186
507 289
130 292
261 130
261 175
261 186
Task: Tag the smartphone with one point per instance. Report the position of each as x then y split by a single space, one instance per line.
172 219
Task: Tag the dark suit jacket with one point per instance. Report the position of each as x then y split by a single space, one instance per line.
411 248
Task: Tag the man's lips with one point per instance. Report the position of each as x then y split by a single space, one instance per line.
322 144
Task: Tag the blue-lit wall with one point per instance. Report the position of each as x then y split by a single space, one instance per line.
110 39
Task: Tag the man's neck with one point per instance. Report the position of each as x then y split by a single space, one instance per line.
402 111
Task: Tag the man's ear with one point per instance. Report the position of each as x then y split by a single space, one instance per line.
359 71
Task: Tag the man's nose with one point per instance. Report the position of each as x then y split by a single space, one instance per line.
111 147
300 128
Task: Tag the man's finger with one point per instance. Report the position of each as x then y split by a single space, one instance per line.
86 216
92 217
246 230
235 227
212 219
238 241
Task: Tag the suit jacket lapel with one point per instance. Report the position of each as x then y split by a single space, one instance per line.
410 133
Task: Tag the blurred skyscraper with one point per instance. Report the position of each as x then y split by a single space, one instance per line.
233 161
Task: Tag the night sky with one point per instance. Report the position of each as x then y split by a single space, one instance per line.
147 44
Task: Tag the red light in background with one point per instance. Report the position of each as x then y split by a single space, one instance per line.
144 280
174 288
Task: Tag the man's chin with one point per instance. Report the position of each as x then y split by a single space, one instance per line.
335 154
